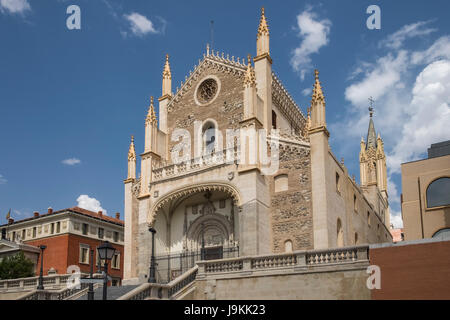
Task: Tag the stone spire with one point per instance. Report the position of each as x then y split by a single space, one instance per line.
263 29
317 95
318 106
371 134
131 161
262 38
250 77
151 115
167 79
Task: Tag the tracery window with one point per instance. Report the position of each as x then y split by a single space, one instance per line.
207 90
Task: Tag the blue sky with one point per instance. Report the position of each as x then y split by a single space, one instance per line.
70 99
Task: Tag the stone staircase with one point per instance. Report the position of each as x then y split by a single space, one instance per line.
113 292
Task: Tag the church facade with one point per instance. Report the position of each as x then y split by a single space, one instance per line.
234 168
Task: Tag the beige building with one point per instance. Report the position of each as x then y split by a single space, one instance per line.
203 209
426 195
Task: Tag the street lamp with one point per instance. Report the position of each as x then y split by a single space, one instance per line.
105 252
41 273
152 276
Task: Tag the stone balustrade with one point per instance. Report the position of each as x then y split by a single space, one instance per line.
56 281
296 259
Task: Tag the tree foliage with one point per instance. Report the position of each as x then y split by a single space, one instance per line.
16 266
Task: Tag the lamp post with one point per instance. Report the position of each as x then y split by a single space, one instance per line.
105 252
91 285
152 275
41 273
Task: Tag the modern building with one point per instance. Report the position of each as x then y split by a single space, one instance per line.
426 194
300 198
69 235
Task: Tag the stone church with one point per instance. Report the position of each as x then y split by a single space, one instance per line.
204 209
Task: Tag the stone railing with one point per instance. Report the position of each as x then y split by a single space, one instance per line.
296 259
52 282
162 291
192 166
63 294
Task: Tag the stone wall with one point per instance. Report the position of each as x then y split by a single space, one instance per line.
291 209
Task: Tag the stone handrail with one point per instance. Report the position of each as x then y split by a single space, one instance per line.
304 258
50 281
161 291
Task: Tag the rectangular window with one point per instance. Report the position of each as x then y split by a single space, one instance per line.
52 228
85 228
84 254
34 232
14 236
101 233
222 204
116 236
115 264
24 234
58 227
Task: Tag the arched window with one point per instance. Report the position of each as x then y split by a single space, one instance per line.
281 183
338 187
438 193
274 120
355 207
340 234
368 218
288 246
356 238
443 234
209 137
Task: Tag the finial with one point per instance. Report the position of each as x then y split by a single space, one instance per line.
166 73
131 151
249 59
207 49
317 95
263 28
132 138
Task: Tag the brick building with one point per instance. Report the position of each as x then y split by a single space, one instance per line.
69 235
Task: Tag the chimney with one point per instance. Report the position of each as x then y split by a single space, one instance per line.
36 214
100 213
50 210
118 215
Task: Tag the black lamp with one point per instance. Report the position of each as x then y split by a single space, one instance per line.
105 253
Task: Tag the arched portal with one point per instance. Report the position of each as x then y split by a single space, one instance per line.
194 223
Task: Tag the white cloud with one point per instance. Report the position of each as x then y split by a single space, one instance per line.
395 40
306 92
314 35
412 97
88 203
14 6
71 161
3 180
139 24
396 219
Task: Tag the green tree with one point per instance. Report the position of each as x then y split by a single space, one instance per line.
16 266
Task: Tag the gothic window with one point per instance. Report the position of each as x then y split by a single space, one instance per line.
281 183
437 193
207 91
274 120
356 238
288 246
340 234
209 136
338 190
355 207
368 218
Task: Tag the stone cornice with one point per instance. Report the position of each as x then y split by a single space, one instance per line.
263 56
319 129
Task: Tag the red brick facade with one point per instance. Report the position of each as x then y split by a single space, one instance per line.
64 250
413 271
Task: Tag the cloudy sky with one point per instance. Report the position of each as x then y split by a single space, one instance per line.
70 99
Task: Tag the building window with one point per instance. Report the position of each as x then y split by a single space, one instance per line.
437 193
222 204
355 207
281 183
288 246
34 232
84 254
84 228
209 137
14 236
115 263
101 233
443 234
338 190
274 119
356 238
368 218
52 228
24 234
58 227
116 236
340 234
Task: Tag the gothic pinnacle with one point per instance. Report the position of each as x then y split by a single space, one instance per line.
317 95
250 77
166 73
151 115
131 151
263 28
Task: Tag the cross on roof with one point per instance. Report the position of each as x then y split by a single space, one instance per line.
371 101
